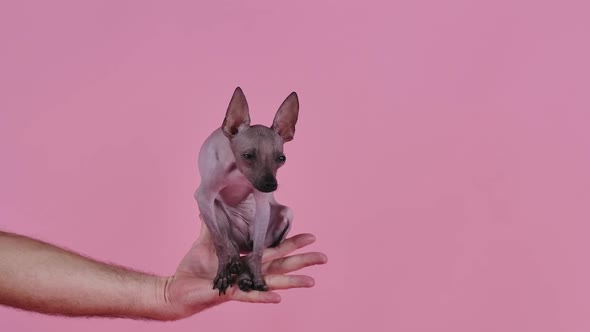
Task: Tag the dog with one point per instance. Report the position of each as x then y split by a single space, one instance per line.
238 165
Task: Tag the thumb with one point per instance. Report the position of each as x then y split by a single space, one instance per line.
204 235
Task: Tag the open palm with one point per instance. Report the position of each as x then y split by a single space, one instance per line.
190 290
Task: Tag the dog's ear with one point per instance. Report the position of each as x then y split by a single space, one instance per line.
237 116
286 118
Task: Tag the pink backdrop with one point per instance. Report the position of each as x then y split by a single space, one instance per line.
442 156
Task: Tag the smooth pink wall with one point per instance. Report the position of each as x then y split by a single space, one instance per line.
442 156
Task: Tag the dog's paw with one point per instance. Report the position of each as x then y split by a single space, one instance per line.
245 283
222 282
235 267
227 271
259 284
251 277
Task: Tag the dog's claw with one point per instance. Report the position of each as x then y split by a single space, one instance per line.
221 283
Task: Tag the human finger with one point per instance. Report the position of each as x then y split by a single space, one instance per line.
288 246
256 297
289 264
276 282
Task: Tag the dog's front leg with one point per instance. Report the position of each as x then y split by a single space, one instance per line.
252 278
227 255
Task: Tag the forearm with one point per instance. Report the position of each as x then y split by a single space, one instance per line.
40 277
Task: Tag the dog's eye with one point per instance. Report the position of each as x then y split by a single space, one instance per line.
248 156
281 158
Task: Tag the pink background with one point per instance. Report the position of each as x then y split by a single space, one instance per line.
442 156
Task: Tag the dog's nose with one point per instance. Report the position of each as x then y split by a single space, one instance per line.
269 183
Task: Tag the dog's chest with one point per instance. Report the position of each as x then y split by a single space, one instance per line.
236 190
240 205
234 195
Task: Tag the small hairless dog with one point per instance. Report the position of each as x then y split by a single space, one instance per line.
238 164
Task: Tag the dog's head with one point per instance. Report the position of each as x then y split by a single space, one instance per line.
258 149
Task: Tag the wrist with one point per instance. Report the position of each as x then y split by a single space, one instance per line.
160 304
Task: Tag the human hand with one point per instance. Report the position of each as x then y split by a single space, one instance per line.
190 290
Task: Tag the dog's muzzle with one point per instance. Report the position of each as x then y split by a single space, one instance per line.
267 184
